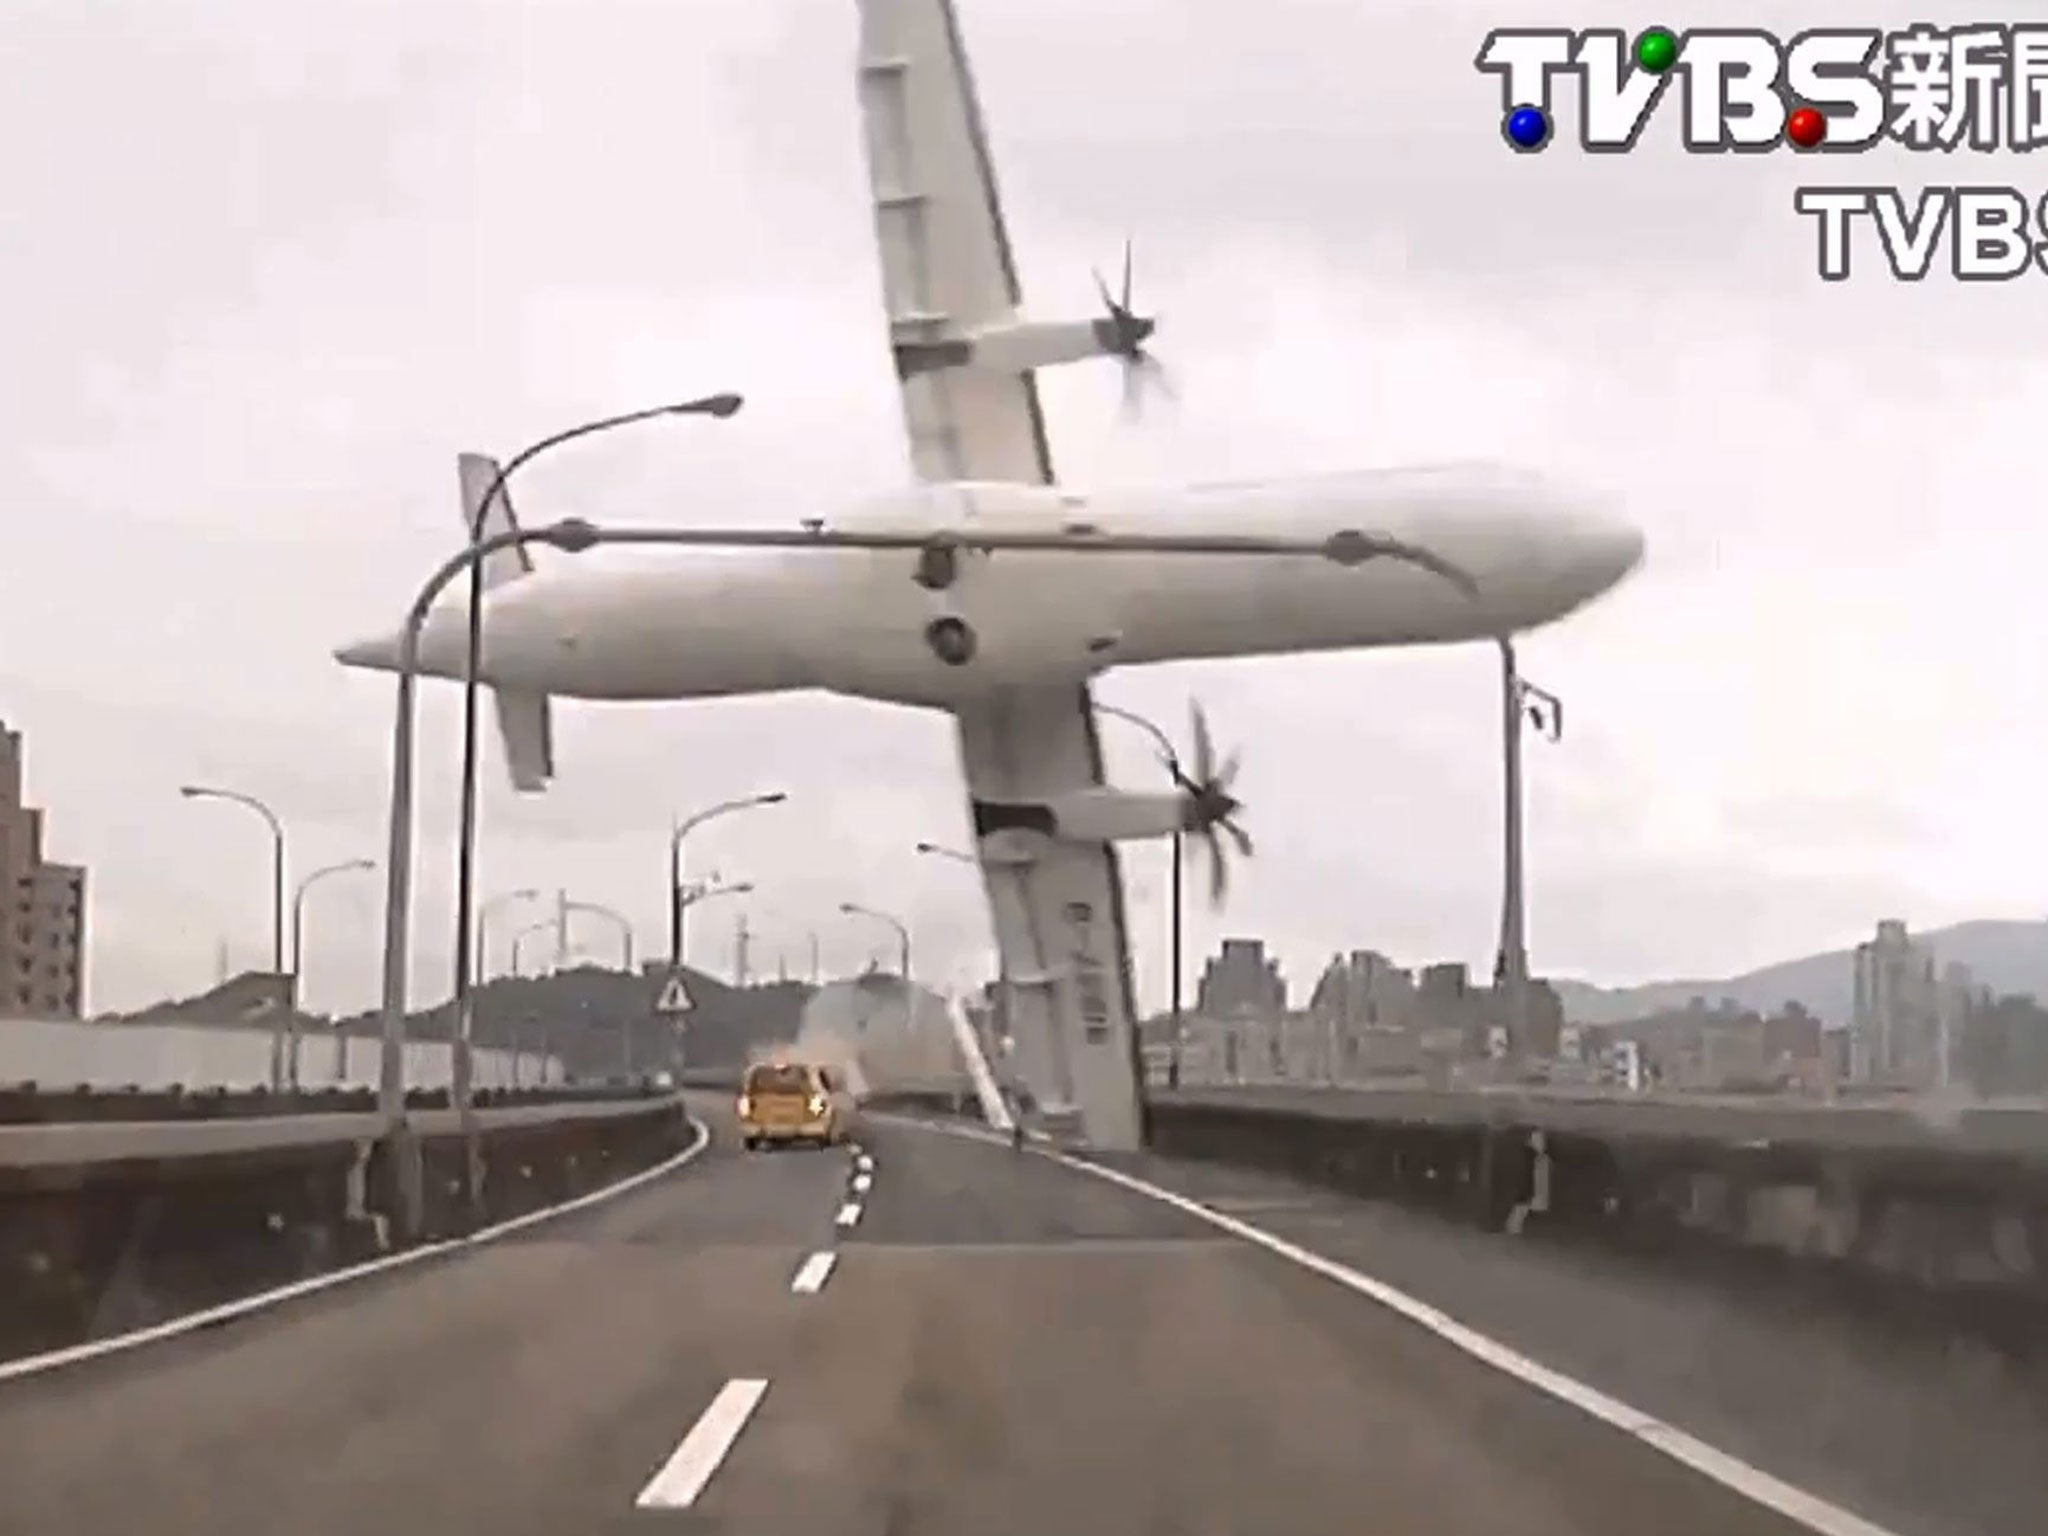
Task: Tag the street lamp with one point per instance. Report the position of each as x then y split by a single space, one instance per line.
854 909
1348 547
298 956
503 899
627 1026
688 899
1521 701
1171 759
299 904
625 925
677 832
205 792
720 405
547 925
520 938
402 1158
1007 988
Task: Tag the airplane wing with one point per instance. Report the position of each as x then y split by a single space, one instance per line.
1058 909
947 270
946 262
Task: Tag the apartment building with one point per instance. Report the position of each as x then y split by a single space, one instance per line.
1895 1028
42 908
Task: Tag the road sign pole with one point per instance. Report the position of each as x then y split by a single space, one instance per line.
672 1008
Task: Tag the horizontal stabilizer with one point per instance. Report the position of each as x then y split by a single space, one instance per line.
526 725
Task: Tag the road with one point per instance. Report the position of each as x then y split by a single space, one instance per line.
1001 1344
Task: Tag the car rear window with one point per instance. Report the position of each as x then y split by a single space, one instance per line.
779 1079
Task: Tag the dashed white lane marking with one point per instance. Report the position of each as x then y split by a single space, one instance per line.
704 1448
849 1213
863 1182
32 1365
1753 1483
812 1273
864 1163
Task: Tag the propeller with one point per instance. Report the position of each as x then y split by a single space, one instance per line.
1212 809
1123 334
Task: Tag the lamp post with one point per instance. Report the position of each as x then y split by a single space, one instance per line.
685 900
1348 547
677 900
625 925
520 938
401 1164
298 957
1521 701
954 855
1007 990
854 909
1171 760
720 405
277 956
483 916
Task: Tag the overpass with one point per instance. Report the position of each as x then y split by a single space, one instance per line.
1262 1324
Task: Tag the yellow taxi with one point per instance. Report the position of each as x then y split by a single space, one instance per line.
786 1101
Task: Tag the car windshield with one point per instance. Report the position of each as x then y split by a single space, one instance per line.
779 1079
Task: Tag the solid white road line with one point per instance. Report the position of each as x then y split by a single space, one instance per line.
863 1182
704 1448
812 1273
849 1213
30 1365
1753 1483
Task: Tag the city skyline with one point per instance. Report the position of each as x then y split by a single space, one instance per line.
1795 721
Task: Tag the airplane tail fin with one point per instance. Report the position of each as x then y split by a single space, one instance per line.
525 719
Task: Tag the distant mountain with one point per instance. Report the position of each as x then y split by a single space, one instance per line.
2006 956
584 1015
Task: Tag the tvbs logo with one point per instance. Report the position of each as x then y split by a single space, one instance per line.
1838 89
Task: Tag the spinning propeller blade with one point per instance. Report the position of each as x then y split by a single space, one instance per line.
1123 335
1212 809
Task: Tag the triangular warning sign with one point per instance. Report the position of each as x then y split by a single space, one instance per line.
675 997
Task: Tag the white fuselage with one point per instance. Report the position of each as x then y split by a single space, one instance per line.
662 626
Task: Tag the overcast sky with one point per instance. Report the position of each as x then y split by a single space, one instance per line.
270 266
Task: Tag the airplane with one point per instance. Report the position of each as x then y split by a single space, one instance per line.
1010 641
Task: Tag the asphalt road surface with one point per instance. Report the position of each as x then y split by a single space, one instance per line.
996 1344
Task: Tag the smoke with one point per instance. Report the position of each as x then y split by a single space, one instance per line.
881 1034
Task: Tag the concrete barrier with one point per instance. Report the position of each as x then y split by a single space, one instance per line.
111 1225
1877 1201
1953 1203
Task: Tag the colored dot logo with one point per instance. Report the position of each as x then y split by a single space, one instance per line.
1657 50
1527 129
1806 127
